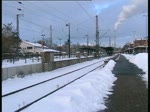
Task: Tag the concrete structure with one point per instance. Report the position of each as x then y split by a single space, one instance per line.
88 49
47 60
47 64
21 71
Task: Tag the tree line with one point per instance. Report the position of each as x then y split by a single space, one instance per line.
10 39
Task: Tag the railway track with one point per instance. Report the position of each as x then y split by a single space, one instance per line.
16 91
52 79
26 106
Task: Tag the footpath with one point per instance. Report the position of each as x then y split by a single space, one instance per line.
129 92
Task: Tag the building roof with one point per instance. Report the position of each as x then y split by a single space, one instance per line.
46 49
87 48
34 44
140 46
141 39
50 50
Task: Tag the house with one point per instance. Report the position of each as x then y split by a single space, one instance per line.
128 48
29 47
138 46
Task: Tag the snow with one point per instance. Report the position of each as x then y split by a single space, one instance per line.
34 44
6 63
84 95
50 50
21 62
141 61
87 94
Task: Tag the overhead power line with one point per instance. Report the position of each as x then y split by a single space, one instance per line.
84 10
45 11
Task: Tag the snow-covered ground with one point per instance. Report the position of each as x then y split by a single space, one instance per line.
6 63
85 95
141 60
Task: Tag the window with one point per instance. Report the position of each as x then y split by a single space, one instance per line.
29 47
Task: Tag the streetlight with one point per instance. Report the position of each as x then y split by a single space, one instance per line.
68 38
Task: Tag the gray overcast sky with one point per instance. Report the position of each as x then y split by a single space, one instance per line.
127 17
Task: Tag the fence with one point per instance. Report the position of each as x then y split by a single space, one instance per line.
21 71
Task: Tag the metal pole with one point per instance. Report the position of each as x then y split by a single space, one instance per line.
50 37
43 41
114 38
17 31
60 46
97 37
109 41
134 40
69 40
114 41
17 24
17 17
87 40
97 32
146 33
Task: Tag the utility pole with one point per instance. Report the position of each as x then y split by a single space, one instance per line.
97 37
17 17
134 40
97 32
68 39
115 38
109 42
87 40
43 41
50 39
60 40
60 45
146 15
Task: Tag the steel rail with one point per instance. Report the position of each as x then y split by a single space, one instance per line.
50 79
26 106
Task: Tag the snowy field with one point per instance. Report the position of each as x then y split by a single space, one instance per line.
85 95
141 60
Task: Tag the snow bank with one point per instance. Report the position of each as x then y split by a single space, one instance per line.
141 60
85 95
